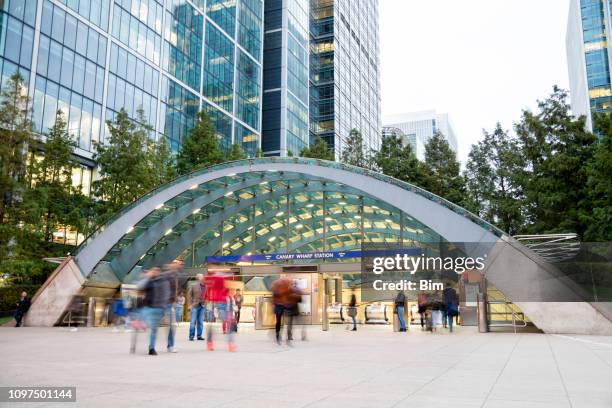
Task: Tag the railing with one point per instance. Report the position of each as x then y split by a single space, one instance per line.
509 309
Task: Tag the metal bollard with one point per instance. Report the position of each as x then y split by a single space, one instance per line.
483 324
258 313
91 312
324 318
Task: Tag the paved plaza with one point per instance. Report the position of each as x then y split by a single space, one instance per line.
372 367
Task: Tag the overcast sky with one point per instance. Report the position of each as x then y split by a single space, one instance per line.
482 61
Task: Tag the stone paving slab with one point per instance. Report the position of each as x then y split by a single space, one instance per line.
372 367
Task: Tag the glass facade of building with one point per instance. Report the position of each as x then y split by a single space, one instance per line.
170 58
286 65
589 54
345 78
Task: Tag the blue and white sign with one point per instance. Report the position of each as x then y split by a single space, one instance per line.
306 256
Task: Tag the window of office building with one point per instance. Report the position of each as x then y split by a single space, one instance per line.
247 91
249 26
183 43
246 138
95 11
222 124
223 12
139 27
219 68
178 111
132 84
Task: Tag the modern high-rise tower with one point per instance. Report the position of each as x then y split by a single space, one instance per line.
588 55
345 71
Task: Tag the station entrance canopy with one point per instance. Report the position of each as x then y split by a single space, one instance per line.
290 205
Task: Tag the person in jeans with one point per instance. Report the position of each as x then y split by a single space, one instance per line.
178 307
23 305
400 303
451 302
196 308
156 296
171 275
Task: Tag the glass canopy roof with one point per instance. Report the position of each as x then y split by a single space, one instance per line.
259 212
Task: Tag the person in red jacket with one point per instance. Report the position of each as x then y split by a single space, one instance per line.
218 295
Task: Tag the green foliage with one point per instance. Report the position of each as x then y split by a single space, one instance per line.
161 162
492 189
25 271
599 184
51 199
123 165
200 148
555 148
397 160
16 136
259 152
353 151
442 170
318 150
9 295
236 153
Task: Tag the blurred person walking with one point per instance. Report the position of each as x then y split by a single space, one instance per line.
171 271
178 307
156 296
23 305
281 289
400 306
238 299
218 295
422 307
451 301
197 309
352 309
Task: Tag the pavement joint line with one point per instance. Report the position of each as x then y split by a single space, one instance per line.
559 370
443 372
588 348
582 340
501 372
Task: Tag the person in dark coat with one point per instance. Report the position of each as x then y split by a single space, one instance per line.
156 298
451 304
23 305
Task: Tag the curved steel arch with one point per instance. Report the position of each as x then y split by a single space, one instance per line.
449 221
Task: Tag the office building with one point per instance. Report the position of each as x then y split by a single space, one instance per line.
90 58
418 127
344 74
285 113
588 57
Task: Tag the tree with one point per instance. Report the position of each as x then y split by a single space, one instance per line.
598 220
353 152
236 153
556 148
161 162
398 160
123 166
492 191
318 150
51 200
442 170
200 148
16 136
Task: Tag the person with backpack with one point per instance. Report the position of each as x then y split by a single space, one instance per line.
400 304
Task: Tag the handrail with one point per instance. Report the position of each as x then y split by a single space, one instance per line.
514 324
